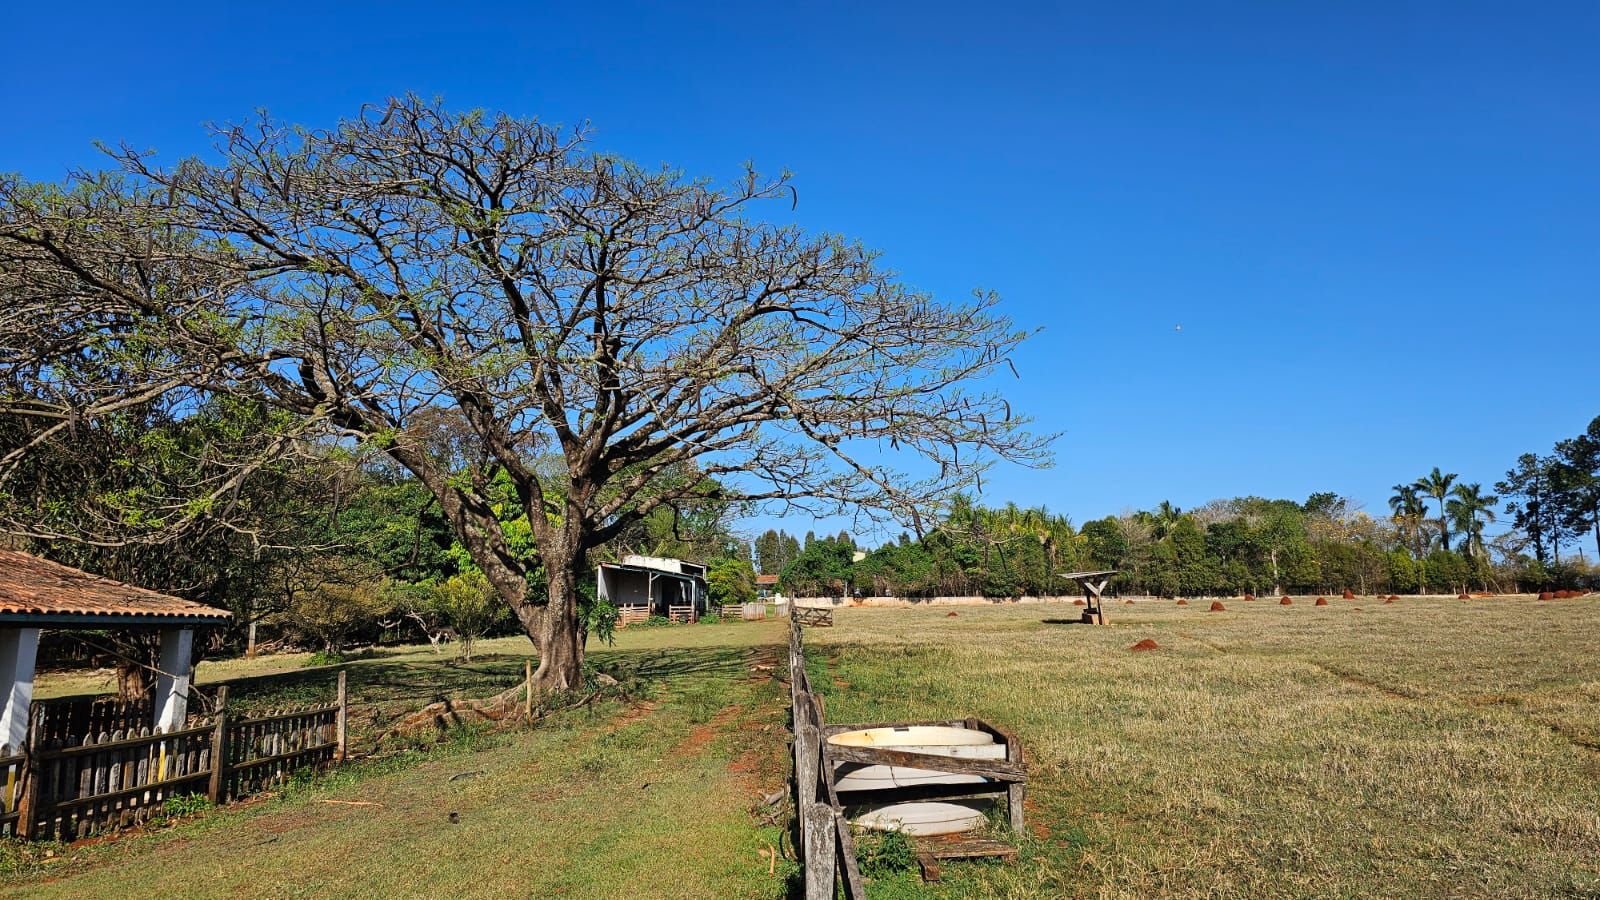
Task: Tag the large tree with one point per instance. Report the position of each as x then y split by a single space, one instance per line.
413 261
1533 501
1580 471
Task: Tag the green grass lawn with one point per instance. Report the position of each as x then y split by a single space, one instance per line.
650 799
1426 748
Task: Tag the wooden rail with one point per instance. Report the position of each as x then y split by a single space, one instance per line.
67 786
814 616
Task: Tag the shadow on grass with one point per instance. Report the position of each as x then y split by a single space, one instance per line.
418 682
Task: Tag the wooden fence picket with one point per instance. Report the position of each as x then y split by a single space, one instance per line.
91 768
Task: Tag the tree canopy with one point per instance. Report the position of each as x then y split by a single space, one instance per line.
414 266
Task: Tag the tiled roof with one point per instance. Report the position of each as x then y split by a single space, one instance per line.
33 586
766 579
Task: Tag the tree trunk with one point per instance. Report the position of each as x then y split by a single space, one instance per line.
1596 515
133 682
1277 579
557 634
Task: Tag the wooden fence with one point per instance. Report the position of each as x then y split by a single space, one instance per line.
10 787
69 785
828 848
829 854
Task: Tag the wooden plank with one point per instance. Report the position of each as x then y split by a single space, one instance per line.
287 714
136 790
108 744
219 751
819 843
854 889
831 730
344 704
999 770
32 777
806 761
955 847
280 756
917 792
1017 792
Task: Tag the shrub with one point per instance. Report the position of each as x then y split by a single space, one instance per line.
325 658
882 854
471 606
186 804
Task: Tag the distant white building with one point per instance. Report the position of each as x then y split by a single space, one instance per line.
645 586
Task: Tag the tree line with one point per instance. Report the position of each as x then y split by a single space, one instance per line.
1432 540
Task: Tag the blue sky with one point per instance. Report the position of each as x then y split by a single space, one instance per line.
1378 225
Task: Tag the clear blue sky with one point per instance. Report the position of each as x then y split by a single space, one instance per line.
1378 224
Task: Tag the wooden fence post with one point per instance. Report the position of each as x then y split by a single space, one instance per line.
27 807
219 749
344 709
805 773
1016 791
819 842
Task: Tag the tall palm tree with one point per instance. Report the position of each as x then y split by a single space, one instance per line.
1406 505
1437 485
1471 509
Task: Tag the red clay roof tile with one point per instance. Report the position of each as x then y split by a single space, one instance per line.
33 586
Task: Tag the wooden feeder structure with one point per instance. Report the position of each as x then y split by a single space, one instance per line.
1092 584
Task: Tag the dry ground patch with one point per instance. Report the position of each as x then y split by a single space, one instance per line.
1424 748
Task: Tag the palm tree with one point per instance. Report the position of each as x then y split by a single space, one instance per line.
1437 485
1471 509
1165 518
1406 505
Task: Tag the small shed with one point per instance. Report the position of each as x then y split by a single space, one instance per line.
766 586
36 593
645 586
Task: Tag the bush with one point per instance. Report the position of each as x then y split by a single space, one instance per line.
185 805
731 581
883 854
325 658
470 605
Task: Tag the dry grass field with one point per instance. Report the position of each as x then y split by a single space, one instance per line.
1430 747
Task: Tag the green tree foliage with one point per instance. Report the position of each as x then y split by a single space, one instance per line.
1580 482
328 599
731 581
821 569
774 550
469 605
